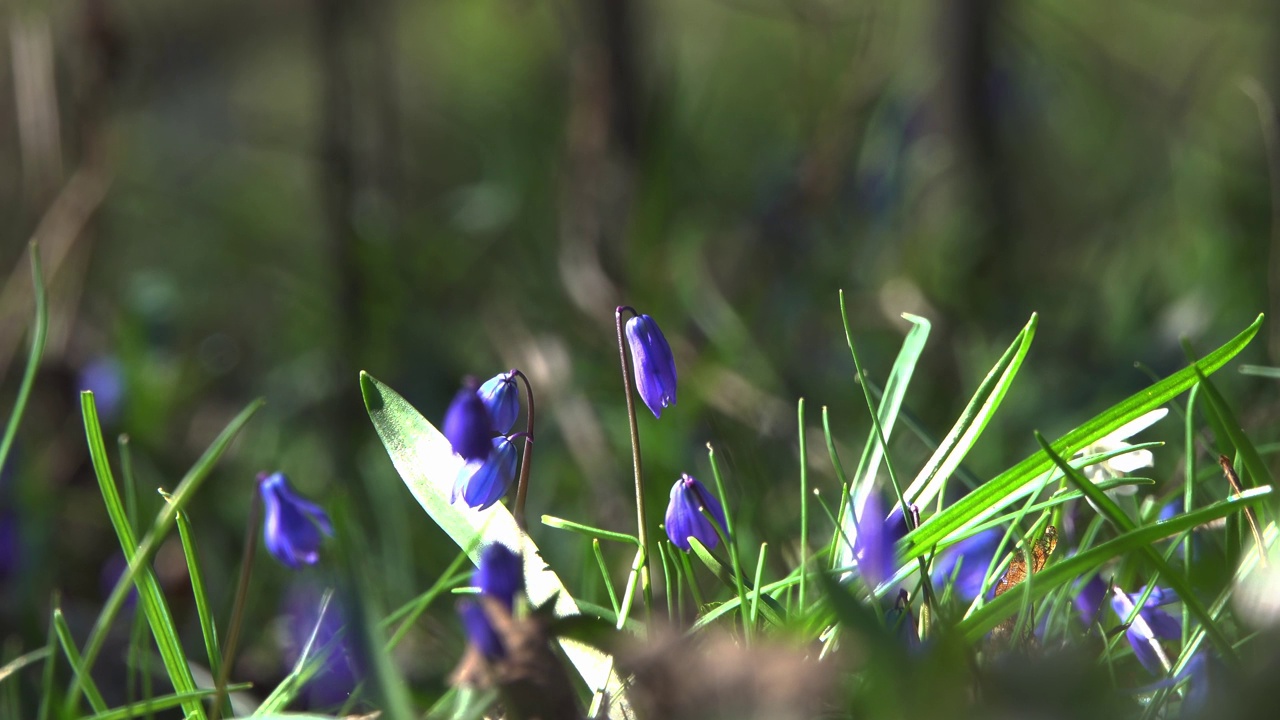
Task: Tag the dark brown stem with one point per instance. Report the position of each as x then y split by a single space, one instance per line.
642 529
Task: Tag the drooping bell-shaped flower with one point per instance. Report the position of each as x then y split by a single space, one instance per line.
685 518
500 576
1149 626
481 483
294 527
655 368
467 424
501 398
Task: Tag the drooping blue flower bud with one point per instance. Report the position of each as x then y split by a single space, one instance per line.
655 368
500 575
501 398
685 518
467 424
481 483
294 526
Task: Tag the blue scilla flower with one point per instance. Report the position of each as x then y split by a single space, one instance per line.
685 518
467 424
973 555
655 368
295 526
1149 626
874 536
481 483
501 398
1089 598
500 577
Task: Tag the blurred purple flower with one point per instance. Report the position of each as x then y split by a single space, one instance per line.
1089 599
112 569
655 367
295 526
1149 626
481 483
500 575
902 620
874 538
105 378
467 424
501 398
341 671
684 514
973 554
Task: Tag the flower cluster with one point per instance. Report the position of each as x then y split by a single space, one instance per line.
478 425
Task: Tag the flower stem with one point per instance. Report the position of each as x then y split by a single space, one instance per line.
237 610
522 487
642 529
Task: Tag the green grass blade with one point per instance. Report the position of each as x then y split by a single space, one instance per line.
973 420
160 528
1056 574
22 661
426 463
1012 484
586 530
165 702
38 333
1176 580
904 367
150 596
1258 473
46 681
77 663
208 626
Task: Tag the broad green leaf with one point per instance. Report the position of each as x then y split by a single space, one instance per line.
426 463
1017 481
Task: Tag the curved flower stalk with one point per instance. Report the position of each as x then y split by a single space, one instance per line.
685 518
655 368
295 526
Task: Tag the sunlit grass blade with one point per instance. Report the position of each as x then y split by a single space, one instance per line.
160 528
895 389
1174 579
208 626
1258 474
78 667
39 331
164 702
1000 491
22 661
973 420
772 609
1087 561
426 463
150 596
589 531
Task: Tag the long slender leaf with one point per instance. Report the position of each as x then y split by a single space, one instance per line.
989 615
426 463
150 596
38 333
973 420
1013 483
77 662
208 626
1176 580
160 528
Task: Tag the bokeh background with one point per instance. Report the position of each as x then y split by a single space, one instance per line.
242 199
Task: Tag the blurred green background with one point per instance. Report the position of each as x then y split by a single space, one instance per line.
241 199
